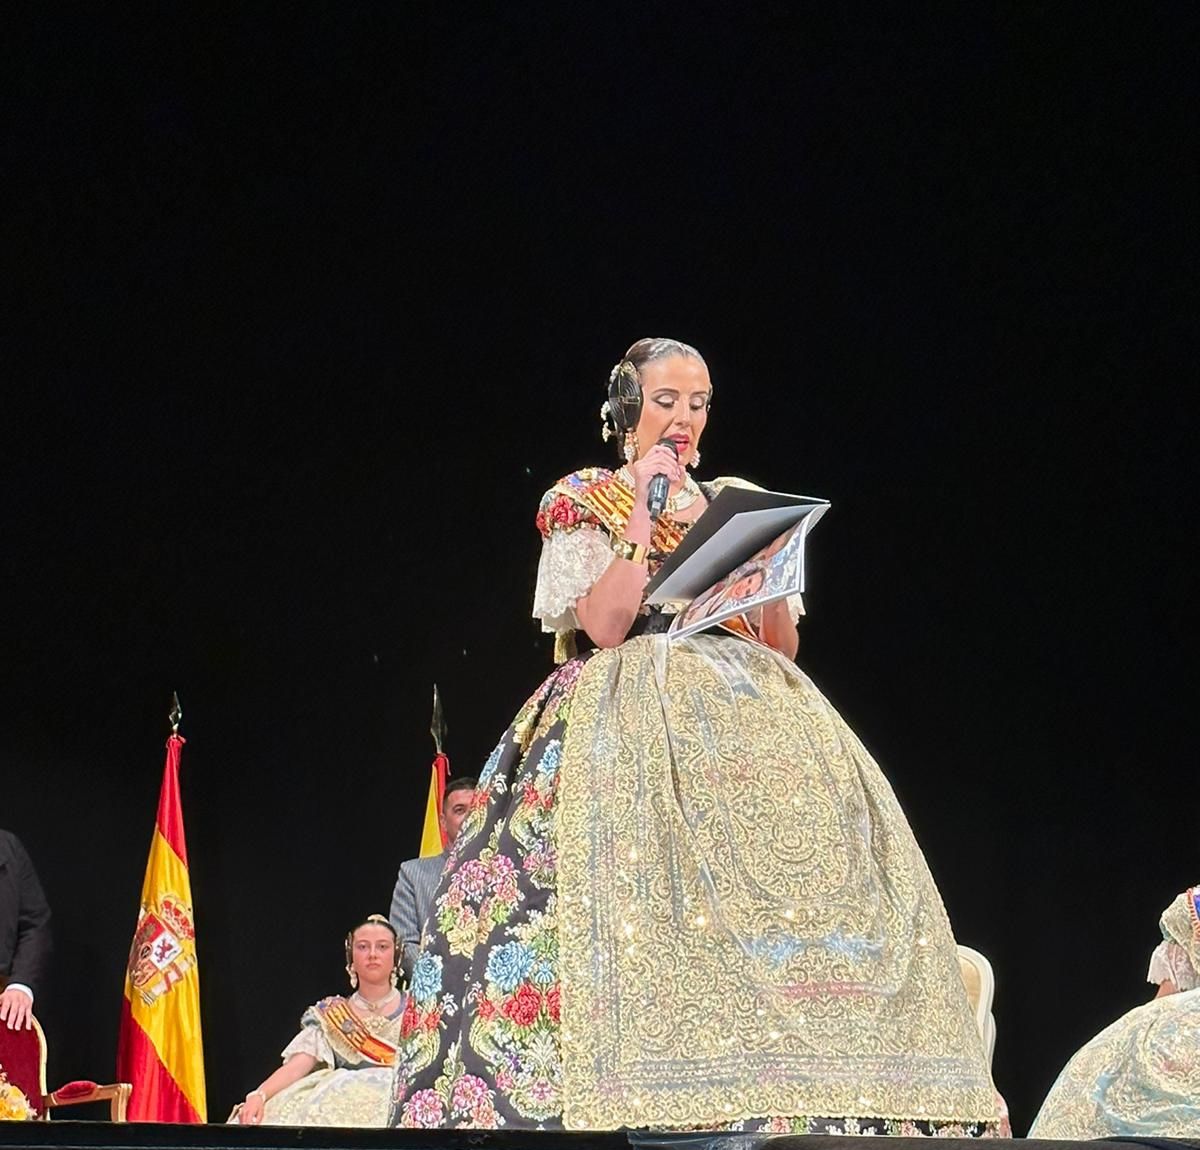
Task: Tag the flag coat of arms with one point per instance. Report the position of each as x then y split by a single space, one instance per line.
160 1050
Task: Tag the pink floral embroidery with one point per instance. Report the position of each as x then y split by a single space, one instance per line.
469 1091
423 1110
471 880
481 896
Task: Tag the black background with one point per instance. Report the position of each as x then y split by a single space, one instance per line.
309 304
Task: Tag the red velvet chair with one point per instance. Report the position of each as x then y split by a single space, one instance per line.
23 1061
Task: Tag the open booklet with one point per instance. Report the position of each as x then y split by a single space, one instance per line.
747 550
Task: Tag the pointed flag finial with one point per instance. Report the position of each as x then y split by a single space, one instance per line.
437 725
176 713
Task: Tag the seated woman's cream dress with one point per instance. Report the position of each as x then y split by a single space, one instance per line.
356 1051
1140 1077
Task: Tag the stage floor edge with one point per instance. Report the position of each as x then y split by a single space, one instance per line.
161 1136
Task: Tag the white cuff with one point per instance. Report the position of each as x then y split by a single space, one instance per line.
21 987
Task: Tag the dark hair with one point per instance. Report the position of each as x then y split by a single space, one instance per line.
647 350
372 920
461 783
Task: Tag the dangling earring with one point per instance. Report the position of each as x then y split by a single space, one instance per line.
630 446
353 977
694 462
394 977
606 432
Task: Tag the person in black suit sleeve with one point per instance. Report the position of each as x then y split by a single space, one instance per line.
24 933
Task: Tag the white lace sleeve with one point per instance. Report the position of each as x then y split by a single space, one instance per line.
571 563
310 1040
1170 963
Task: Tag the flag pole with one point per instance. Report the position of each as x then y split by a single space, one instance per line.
437 724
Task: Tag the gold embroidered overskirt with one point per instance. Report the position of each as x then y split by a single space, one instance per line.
747 926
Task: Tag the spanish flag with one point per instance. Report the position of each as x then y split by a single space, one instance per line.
160 1050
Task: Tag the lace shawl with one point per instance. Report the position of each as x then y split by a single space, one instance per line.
1177 957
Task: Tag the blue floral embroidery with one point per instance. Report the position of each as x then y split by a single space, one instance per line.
509 965
548 763
427 977
489 768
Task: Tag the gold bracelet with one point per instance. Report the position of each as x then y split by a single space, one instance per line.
634 552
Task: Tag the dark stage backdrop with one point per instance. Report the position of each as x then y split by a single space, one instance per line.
311 306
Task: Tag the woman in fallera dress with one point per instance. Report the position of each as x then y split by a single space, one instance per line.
1140 1077
685 897
337 1071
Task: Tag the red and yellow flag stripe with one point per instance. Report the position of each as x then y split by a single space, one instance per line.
433 838
161 1051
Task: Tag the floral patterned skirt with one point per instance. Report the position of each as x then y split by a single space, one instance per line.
479 1043
482 1039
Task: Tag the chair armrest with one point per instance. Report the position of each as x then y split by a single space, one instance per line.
75 1092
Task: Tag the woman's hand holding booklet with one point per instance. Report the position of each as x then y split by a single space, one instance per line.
747 550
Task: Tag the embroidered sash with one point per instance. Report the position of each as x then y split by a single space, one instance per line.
611 501
345 1029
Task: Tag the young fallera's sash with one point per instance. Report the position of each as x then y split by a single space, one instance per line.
349 1030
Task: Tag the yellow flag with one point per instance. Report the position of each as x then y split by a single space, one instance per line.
433 842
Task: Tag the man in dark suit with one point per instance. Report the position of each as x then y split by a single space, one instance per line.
417 882
24 933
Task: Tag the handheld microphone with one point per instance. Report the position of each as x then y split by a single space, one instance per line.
660 486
